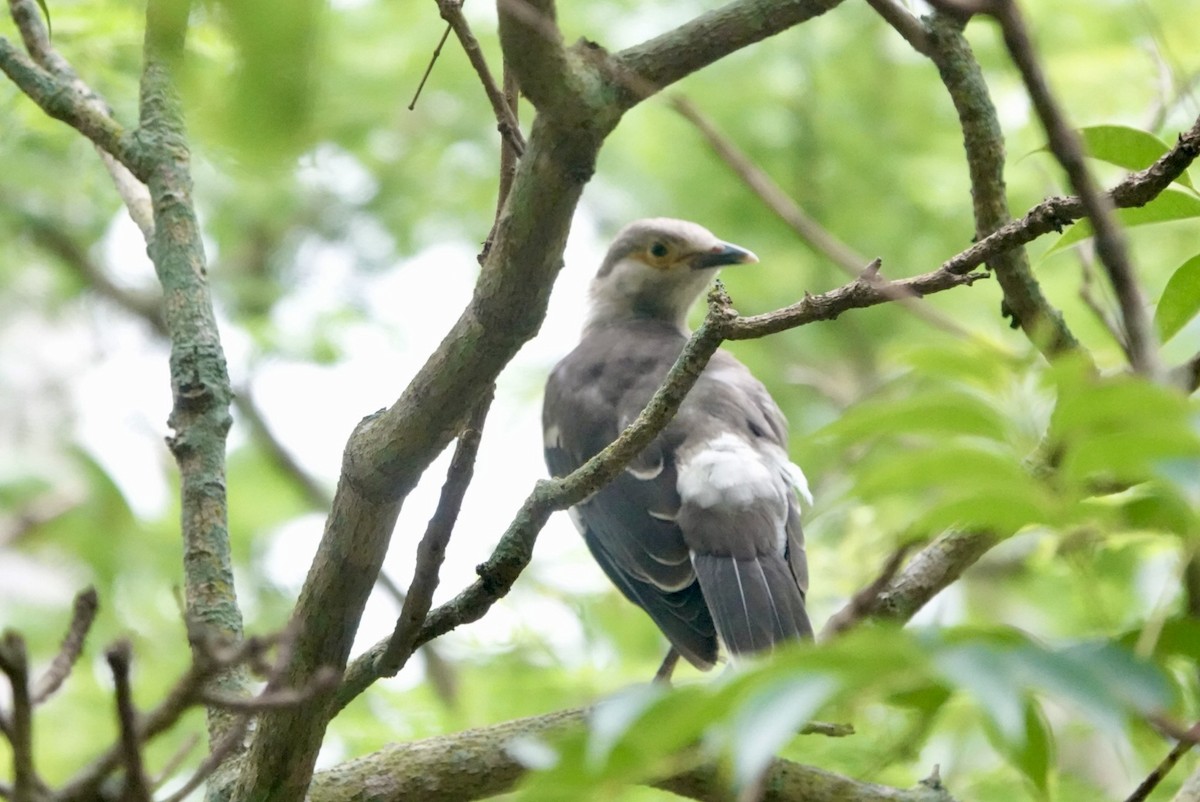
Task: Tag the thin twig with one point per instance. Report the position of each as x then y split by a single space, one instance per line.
83 615
808 229
1146 786
863 602
233 738
314 492
1087 294
118 656
432 548
14 662
437 51
905 24
36 37
506 121
210 656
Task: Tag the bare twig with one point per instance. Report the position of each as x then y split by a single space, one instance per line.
437 51
1146 786
1087 294
36 38
14 662
84 613
930 571
432 549
210 656
1052 214
118 656
506 121
907 25
864 602
1066 146
809 230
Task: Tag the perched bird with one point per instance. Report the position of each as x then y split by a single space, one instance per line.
702 529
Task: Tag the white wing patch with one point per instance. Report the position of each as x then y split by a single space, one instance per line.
552 437
727 471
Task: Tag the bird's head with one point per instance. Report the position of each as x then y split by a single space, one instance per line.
656 268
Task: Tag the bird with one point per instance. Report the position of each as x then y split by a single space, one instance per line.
702 528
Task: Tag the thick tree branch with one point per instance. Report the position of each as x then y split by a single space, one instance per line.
533 48
983 141
199 379
478 763
659 62
927 574
63 101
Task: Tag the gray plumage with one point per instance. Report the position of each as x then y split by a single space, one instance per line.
702 529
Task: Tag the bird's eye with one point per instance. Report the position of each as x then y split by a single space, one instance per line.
658 250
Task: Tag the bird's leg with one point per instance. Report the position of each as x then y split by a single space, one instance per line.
668 667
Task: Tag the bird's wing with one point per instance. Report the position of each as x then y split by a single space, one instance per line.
629 525
738 510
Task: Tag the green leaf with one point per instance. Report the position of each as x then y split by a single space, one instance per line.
1131 148
771 718
1033 752
945 412
1180 300
46 11
1172 204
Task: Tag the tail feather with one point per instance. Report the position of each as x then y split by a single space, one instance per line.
755 603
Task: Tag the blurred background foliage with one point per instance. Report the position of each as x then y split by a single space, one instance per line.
341 227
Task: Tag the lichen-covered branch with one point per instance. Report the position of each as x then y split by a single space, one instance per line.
478 763
199 381
1067 147
659 62
983 141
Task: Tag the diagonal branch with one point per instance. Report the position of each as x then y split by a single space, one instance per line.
506 121
83 614
432 548
659 62
983 141
809 230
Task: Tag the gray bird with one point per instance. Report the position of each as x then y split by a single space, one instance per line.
702 529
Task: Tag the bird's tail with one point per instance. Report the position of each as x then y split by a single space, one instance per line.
754 602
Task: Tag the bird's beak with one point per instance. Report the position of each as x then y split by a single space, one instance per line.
724 254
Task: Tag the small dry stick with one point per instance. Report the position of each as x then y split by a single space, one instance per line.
84 613
432 549
136 790
14 662
437 51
